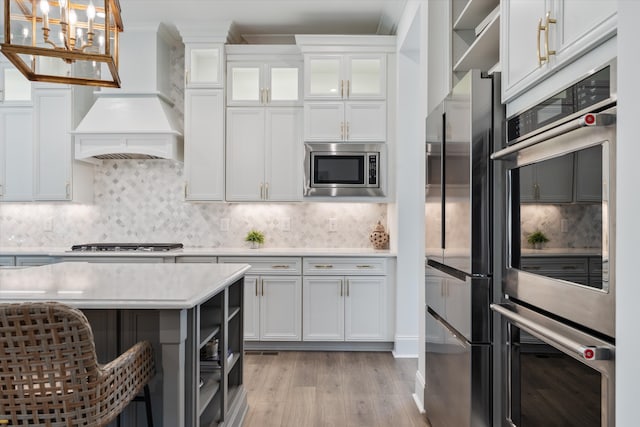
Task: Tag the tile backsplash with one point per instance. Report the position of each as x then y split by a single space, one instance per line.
583 221
138 201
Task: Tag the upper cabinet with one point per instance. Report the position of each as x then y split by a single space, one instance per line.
476 36
539 37
349 76
204 65
16 154
264 83
14 87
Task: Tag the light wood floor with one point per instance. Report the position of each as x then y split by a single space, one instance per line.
307 389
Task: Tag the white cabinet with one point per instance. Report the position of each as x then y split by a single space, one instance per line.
204 144
539 37
204 65
476 35
14 87
345 121
345 76
255 83
264 154
351 307
272 298
16 154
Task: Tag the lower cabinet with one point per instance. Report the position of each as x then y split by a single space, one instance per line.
272 298
345 308
272 308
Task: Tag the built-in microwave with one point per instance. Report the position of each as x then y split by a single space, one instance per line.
344 169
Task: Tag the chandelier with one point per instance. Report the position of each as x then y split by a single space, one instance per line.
64 41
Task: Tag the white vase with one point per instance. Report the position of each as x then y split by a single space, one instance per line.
255 245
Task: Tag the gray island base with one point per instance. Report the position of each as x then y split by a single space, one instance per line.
191 313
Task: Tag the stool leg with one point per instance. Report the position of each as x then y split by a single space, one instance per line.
147 404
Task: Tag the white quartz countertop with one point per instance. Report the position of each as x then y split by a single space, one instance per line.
562 252
114 285
324 252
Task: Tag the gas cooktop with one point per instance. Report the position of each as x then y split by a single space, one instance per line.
142 247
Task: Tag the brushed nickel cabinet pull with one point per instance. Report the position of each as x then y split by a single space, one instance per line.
256 287
364 266
323 266
186 77
185 190
348 286
262 282
341 88
266 191
348 91
281 266
341 287
341 130
347 131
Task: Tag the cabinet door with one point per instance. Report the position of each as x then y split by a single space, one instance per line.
251 309
14 87
16 154
581 25
324 121
366 77
365 121
323 77
528 185
555 179
52 140
246 83
518 43
245 154
280 308
204 144
366 309
323 309
203 63
283 151
588 175
283 84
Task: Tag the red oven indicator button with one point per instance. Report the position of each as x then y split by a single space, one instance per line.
589 354
590 119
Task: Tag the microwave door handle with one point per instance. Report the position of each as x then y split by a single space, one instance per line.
443 169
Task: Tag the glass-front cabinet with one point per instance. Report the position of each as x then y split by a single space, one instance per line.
204 65
257 83
14 87
353 76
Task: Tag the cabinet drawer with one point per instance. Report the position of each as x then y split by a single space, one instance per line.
345 266
7 261
556 266
267 265
196 259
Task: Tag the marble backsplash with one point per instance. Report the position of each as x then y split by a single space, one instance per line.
143 201
583 224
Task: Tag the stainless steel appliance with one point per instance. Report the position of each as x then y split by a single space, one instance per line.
461 134
344 169
140 247
559 303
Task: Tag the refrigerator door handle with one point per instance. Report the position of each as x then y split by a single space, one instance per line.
443 182
460 275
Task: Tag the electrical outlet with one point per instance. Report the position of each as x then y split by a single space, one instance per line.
285 224
564 225
333 224
224 224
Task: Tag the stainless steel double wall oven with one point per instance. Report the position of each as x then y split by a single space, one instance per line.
558 310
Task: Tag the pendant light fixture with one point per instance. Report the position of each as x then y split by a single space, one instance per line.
64 41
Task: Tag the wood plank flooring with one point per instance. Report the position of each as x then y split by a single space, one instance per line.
318 389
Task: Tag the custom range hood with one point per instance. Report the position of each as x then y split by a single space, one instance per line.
136 121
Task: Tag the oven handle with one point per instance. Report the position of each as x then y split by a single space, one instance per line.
590 119
582 351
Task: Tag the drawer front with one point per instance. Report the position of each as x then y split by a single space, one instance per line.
345 266
197 259
556 266
7 261
267 265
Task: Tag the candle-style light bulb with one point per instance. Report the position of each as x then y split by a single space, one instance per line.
63 10
91 14
44 8
73 18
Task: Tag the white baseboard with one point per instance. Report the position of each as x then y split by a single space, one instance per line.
405 347
418 396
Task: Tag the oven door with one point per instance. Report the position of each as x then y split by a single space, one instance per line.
555 375
563 184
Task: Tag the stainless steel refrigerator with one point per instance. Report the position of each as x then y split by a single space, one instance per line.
461 134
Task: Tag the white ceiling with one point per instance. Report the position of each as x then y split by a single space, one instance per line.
272 17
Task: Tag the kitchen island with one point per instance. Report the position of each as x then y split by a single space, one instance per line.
180 308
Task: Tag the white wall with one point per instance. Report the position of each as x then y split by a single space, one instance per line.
408 211
627 216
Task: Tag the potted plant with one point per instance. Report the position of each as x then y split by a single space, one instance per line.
255 237
537 239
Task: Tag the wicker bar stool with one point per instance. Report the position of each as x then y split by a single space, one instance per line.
49 372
